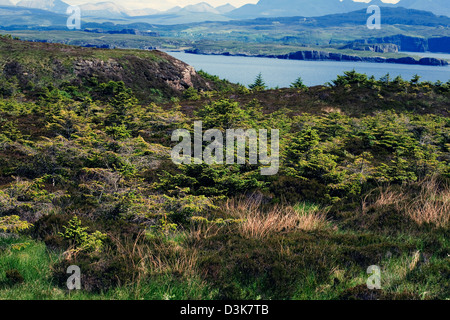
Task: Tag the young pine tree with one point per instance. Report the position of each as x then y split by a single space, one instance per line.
259 84
298 84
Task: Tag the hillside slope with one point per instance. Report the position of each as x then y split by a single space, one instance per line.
147 73
363 180
363 176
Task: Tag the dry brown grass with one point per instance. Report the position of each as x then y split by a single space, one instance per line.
259 223
203 231
156 258
430 205
178 261
388 197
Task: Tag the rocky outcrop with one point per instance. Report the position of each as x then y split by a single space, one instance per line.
380 47
432 62
188 77
405 43
83 67
413 44
149 74
166 74
405 60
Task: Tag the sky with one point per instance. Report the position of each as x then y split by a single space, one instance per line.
168 4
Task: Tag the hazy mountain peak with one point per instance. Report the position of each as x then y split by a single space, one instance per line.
142 12
110 6
174 9
201 7
225 8
50 5
105 4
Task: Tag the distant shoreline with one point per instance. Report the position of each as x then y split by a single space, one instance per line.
315 55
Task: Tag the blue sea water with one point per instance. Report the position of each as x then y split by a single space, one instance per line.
281 73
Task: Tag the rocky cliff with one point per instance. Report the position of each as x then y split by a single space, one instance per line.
316 55
414 44
146 72
380 48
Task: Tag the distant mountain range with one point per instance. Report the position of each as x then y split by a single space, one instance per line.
315 8
304 8
226 8
408 29
110 11
56 6
104 9
438 7
30 18
100 9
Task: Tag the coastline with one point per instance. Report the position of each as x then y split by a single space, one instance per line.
315 55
